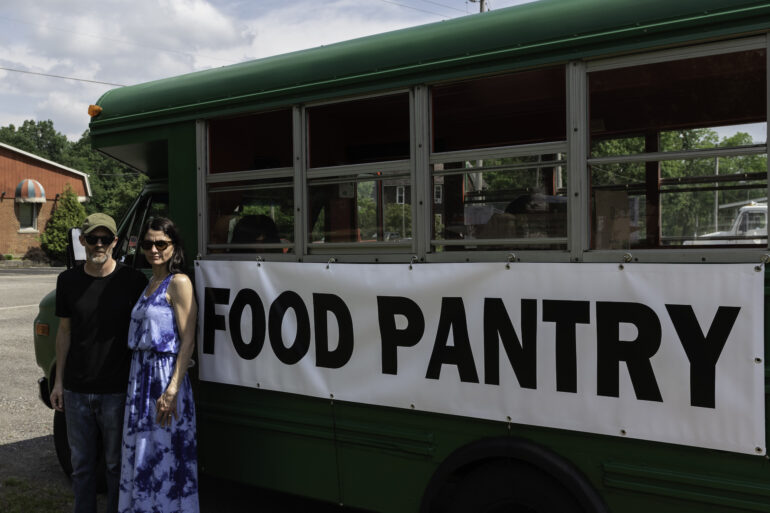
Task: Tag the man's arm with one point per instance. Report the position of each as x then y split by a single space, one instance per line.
62 348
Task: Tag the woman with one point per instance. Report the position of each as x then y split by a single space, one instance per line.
159 460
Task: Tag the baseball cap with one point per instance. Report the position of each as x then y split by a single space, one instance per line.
95 221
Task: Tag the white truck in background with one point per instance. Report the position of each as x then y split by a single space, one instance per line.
749 227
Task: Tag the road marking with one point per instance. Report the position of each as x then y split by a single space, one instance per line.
20 306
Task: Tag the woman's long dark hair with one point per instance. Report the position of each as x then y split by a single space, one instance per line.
176 264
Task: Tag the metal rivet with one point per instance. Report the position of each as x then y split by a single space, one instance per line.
623 432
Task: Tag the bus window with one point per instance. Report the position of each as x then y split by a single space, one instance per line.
500 204
359 131
248 218
258 141
149 207
359 185
518 108
677 148
368 207
251 208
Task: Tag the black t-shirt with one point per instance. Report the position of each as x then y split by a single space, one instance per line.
99 309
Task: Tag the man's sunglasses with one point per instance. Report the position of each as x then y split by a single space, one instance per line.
106 240
160 244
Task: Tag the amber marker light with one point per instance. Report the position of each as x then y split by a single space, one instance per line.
41 329
94 110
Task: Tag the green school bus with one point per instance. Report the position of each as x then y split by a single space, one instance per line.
488 264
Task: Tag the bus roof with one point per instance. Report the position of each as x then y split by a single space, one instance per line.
538 33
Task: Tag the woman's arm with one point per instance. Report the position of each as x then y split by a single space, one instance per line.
180 296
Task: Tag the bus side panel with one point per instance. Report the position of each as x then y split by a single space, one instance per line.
267 439
183 188
388 455
45 342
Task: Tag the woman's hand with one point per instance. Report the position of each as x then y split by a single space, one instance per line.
166 407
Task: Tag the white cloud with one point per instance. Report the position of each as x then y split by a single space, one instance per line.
306 24
132 42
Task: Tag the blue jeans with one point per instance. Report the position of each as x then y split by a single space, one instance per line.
88 415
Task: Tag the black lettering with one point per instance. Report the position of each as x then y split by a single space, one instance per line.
298 349
388 307
636 353
522 356
566 315
250 350
703 352
211 320
460 354
323 303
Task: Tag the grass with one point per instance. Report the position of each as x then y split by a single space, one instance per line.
21 496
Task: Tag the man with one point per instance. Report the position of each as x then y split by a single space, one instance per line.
94 303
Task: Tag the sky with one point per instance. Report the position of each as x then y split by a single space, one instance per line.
109 43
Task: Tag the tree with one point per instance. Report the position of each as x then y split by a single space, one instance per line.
36 137
69 213
113 185
690 212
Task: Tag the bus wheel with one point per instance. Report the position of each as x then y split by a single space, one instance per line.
60 442
511 486
63 452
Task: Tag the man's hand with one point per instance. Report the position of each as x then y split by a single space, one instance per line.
57 397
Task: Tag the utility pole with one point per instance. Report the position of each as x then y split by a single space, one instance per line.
482 5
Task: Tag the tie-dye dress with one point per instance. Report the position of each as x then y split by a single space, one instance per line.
159 471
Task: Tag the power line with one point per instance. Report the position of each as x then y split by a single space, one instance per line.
445 5
122 41
415 8
61 76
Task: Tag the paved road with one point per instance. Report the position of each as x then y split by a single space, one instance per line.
26 430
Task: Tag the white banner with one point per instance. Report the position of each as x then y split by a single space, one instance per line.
663 352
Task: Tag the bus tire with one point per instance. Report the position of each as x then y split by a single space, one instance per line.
62 446
509 474
510 485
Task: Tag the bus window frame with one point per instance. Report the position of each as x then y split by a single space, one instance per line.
525 150
421 161
664 255
247 178
379 251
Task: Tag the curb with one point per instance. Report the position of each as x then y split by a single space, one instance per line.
22 264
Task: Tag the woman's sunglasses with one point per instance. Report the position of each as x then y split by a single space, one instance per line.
106 240
160 244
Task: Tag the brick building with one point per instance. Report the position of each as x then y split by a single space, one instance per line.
29 189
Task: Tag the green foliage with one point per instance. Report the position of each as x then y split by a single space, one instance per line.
398 219
284 221
687 213
68 213
36 137
114 186
8 257
367 211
